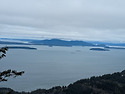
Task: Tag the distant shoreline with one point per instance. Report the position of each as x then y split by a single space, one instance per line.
21 47
99 49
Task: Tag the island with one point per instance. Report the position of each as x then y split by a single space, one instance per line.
21 47
99 49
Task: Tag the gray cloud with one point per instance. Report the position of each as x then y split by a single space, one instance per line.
70 19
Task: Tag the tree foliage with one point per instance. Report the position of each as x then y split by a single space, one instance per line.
7 73
3 51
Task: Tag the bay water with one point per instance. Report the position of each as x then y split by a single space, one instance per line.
47 67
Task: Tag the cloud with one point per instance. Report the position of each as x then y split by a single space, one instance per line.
70 19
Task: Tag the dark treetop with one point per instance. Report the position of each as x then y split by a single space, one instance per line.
106 84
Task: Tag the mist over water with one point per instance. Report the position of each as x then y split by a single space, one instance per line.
57 66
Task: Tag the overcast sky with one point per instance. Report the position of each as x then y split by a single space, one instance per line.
102 20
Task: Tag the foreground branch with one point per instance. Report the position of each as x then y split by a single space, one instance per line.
7 73
3 51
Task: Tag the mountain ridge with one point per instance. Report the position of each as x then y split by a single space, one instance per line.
48 42
58 42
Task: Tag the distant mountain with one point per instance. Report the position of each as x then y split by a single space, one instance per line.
57 42
51 42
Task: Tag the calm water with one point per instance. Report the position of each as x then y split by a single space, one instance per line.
53 66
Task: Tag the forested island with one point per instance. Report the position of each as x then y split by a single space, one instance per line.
99 49
106 84
21 47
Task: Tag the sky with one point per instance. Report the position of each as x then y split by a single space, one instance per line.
93 20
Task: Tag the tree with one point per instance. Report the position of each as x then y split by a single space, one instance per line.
7 73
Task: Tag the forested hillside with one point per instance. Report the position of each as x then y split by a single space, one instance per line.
106 84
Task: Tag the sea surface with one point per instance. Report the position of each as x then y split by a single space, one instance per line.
58 66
